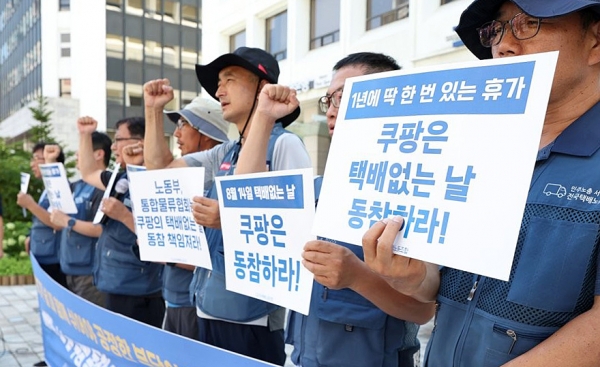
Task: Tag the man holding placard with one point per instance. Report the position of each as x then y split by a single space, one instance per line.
79 235
133 287
44 239
242 81
200 126
346 292
548 312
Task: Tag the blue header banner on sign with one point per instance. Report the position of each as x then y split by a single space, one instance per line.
264 192
78 333
52 171
447 92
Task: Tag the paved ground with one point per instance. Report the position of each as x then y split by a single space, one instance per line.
20 332
21 336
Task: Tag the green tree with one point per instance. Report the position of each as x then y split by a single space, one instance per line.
13 161
44 131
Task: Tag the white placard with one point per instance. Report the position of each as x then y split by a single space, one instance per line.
451 149
163 218
266 220
111 182
58 188
24 187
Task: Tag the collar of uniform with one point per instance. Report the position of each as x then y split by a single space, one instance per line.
582 137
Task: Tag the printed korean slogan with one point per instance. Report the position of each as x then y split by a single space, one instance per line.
451 149
78 333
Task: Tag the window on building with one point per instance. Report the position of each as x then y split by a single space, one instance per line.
189 13
324 22
382 12
135 100
134 49
64 5
153 52
166 8
189 58
114 4
237 40
114 46
114 96
277 36
135 7
65 45
65 88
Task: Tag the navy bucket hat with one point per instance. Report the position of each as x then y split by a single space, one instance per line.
257 61
482 11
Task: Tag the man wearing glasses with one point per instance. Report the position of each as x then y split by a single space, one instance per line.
133 287
200 126
548 313
242 81
349 322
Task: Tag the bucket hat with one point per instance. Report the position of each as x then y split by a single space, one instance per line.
257 61
205 116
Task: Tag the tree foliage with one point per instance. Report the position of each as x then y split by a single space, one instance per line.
44 131
13 161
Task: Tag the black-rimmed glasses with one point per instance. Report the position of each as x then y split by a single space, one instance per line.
333 99
522 26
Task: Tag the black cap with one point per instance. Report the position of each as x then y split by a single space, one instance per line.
483 11
255 60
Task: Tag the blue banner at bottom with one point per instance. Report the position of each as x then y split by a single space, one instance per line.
78 333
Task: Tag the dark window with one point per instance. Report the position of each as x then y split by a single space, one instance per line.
277 36
324 22
135 100
64 5
65 44
237 40
382 12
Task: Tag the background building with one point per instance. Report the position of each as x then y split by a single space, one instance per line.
92 58
309 36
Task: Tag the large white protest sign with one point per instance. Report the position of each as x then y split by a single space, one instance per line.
450 149
24 187
58 188
266 220
164 222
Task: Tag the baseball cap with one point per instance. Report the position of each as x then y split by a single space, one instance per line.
205 116
482 11
257 61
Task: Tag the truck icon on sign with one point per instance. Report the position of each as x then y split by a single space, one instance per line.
555 189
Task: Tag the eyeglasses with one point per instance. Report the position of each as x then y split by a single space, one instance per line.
333 99
125 139
181 123
522 26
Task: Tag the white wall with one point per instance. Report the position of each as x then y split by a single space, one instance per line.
50 48
88 58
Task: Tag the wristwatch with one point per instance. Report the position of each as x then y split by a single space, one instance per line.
71 223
